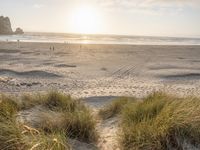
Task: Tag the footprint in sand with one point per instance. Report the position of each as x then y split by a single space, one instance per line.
93 92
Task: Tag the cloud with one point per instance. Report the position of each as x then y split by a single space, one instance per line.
149 3
173 3
157 7
144 4
38 6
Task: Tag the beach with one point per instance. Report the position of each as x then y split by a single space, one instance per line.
97 74
92 70
100 75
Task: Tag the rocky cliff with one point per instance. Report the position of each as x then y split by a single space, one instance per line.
19 31
5 27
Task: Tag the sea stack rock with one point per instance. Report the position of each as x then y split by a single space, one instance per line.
19 31
5 26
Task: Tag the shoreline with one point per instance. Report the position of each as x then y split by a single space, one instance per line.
106 44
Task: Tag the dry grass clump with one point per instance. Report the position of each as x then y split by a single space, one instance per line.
78 125
161 122
8 107
53 141
11 137
17 136
56 101
75 121
81 126
52 100
115 107
28 101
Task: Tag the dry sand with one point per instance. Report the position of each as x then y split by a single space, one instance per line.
99 72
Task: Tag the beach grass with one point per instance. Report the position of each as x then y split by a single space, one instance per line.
56 101
10 131
161 122
28 100
76 119
158 121
76 122
17 136
115 107
8 107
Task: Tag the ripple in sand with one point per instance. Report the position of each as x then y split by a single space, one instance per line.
65 66
9 51
30 74
190 76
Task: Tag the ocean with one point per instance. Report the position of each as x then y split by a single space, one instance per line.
100 39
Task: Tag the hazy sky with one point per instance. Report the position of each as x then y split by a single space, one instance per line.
134 17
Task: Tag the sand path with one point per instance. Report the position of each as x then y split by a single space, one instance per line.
108 134
108 128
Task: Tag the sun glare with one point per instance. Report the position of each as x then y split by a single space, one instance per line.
85 20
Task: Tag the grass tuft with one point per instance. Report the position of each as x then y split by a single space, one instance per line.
8 107
76 121
70 119
115 107
53 141
81 126
14 136
31 100
60 102
161 122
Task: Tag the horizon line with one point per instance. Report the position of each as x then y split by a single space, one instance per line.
113 34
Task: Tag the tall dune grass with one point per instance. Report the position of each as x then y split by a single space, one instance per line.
76 122
161 122
28 101
59 102
115 107
8 107
17 136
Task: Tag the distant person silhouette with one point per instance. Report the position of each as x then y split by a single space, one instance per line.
18 43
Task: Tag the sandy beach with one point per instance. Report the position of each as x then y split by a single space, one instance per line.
97 74
99 70
100 75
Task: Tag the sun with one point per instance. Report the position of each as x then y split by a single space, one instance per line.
85 20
